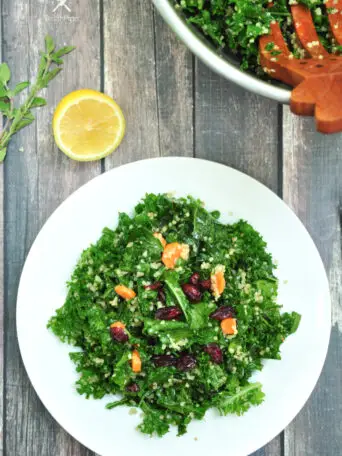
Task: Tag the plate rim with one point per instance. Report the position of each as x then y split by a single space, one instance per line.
49 220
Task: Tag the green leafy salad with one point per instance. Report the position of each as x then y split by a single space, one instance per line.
236 25
173 311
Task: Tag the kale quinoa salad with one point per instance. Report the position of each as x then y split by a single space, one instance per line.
173 311
236 25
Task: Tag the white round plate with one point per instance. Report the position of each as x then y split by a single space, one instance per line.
79 221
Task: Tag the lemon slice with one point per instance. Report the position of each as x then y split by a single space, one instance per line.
88 125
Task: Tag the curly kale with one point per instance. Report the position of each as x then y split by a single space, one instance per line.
235 25
179 378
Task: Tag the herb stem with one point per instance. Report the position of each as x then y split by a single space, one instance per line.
18 118
27 104
7 124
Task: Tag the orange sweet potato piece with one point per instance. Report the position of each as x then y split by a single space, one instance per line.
228 326
125 292
174 251
118 324
218 282
136 362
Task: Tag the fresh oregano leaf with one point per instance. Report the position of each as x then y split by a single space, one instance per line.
50 75
42 65
49 44
14 113
20 117
20 87
3 153
64 51
3 91
5 73
24 123
38 102
57 60
4 107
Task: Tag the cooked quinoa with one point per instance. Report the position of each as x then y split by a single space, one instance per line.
235 26
172 312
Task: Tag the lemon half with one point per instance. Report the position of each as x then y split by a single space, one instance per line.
88 125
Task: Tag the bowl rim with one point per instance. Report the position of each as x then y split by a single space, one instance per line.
217 63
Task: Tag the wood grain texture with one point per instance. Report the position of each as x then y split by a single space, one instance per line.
235 127
313 189
129 76
37 180
238 129
152 76
149 73
273 448
174 84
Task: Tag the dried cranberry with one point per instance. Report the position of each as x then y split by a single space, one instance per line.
194 279
133 388
222 313
192 292
161 296
214 352
118 334
168 313
154 286
164 360
205 284
186 362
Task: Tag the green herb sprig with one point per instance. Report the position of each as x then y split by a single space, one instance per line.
17 118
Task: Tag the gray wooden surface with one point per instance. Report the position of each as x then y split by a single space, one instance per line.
174 105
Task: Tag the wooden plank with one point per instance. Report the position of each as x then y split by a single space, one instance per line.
37 180
174 85
273 448
149 73
238 129
129 76
312 188
235 127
